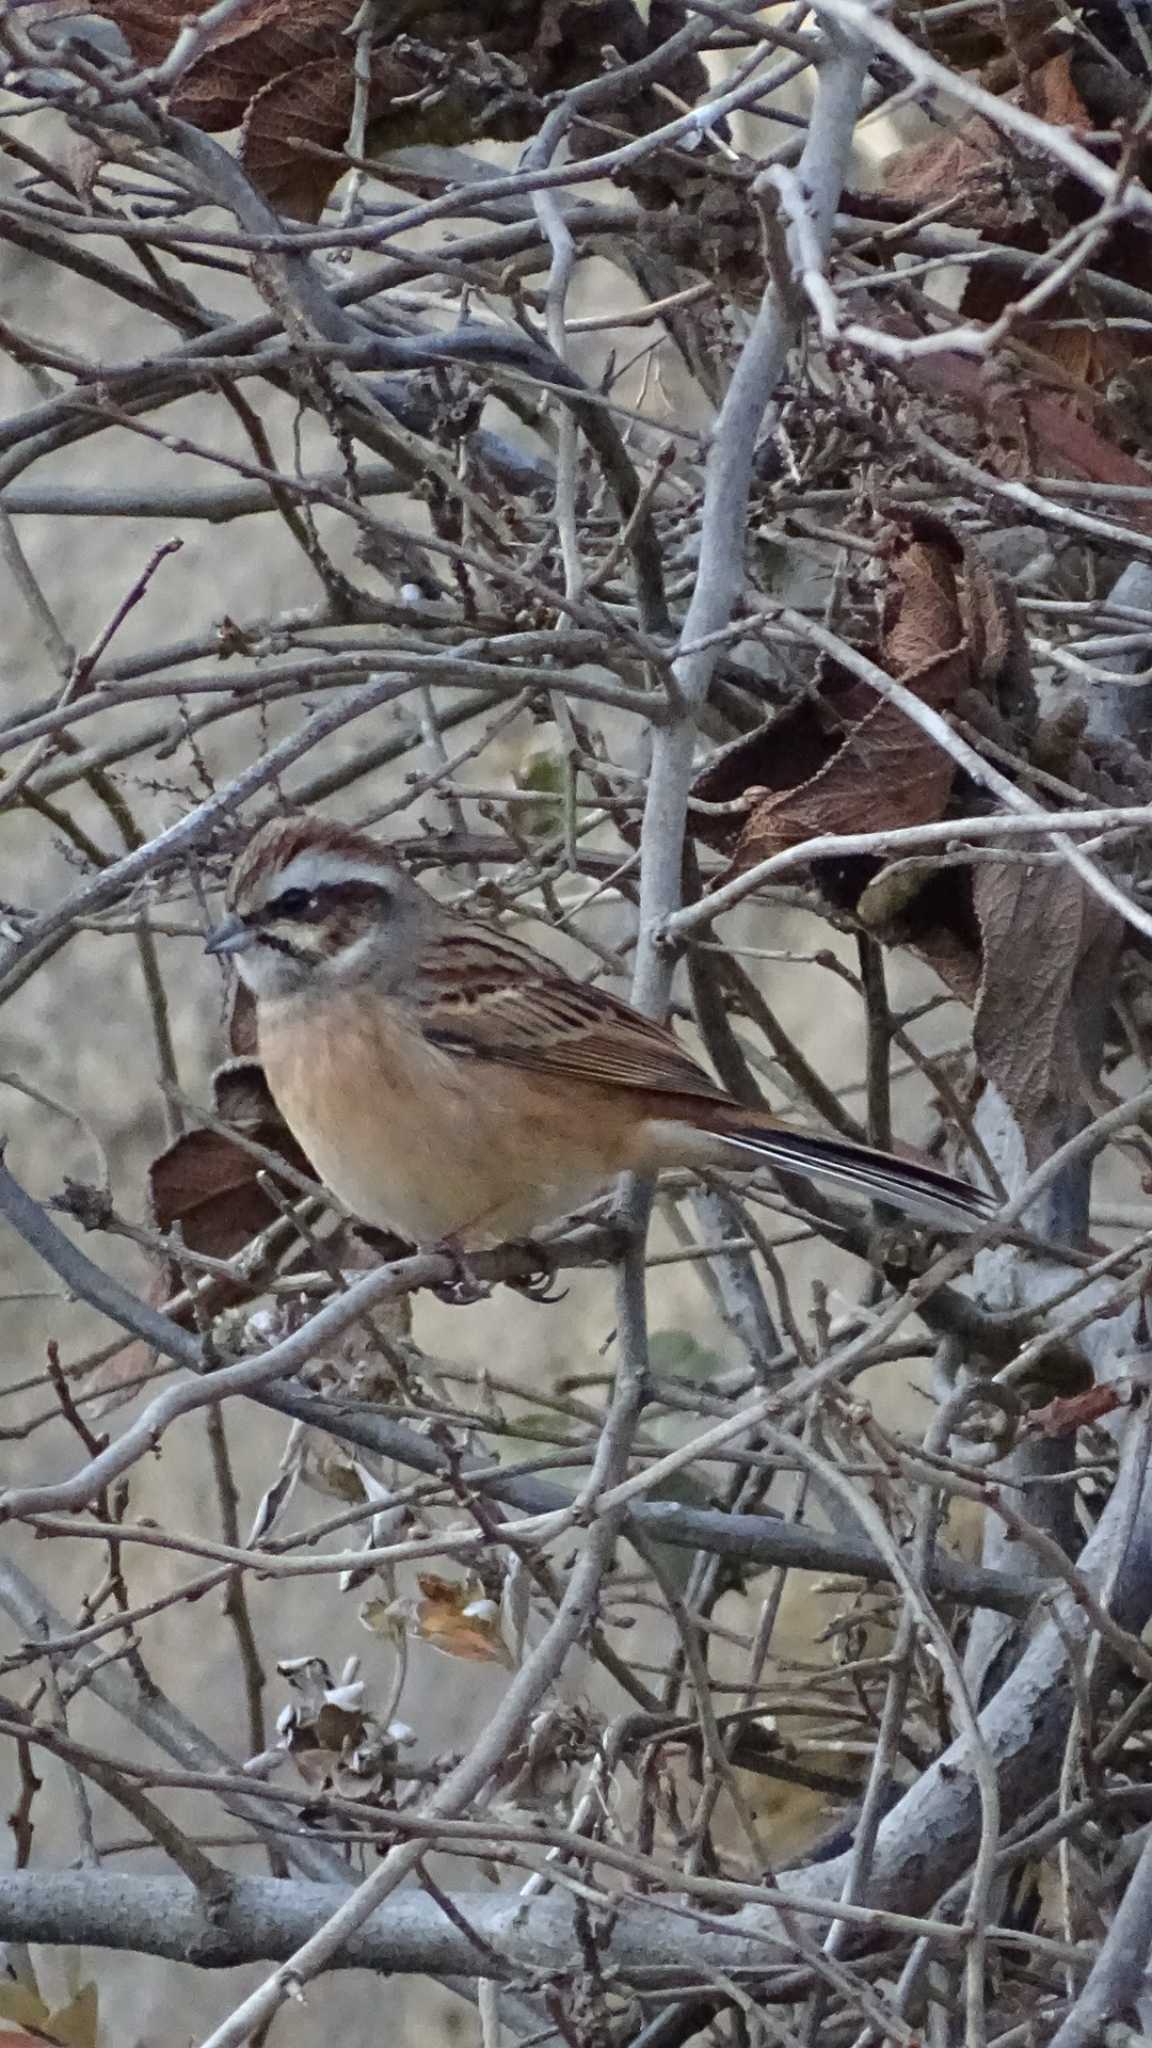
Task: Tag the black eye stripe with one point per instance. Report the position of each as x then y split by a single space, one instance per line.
277 945
311 906
357 891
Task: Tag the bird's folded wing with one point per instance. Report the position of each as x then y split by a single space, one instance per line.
489 998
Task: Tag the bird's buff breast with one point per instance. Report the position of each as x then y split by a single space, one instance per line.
431 1144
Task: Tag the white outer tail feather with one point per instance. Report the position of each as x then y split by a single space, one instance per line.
924 1192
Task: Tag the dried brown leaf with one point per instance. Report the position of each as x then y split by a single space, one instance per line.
977 168
964 167
1030 428
922 622
1048 948
221 89
208 1184
334 1740
1066 1413
150 27
277 35
880 771
887 774
780 755
458 1617
312 103
945 945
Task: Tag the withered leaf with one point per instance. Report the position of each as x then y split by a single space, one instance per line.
964 167
272 36
150 27
312 103
1066 1413
282 71
922 622
1048 945
986 178
271 1505
264 39
457 1617
977 168
888 773
335 1742
943 943
1030 427
853 762
208 1184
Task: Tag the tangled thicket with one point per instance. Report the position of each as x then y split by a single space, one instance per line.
717 531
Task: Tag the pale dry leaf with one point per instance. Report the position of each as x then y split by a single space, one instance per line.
272 1504
333 1473
383 1618
24 2007
77 2024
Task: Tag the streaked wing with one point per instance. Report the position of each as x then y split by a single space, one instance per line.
487 997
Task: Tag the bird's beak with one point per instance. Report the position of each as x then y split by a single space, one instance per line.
232 935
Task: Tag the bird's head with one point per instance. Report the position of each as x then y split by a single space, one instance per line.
314 906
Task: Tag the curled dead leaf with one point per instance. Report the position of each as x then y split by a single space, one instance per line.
845 761
458 1617
336 1743
887 773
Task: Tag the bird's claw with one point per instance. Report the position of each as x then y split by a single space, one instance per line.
540 1284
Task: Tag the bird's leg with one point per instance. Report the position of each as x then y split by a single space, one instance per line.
465 1286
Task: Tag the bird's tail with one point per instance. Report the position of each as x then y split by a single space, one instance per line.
922 1191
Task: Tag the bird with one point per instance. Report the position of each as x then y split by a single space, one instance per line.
454 1086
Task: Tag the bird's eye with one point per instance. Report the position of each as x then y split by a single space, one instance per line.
293 903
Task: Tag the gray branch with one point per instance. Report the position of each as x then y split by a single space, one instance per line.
268 1920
